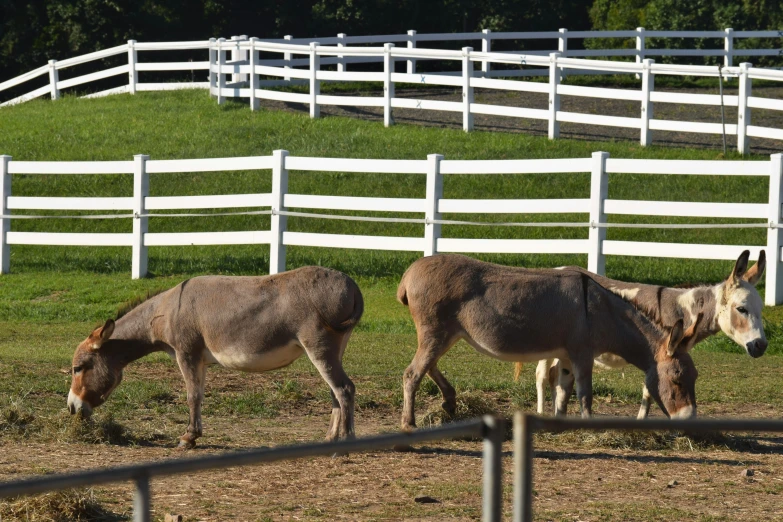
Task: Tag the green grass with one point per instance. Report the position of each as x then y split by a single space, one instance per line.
56 295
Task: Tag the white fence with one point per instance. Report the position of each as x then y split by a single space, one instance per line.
236 69
432 207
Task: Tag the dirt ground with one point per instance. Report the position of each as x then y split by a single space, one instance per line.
665 111
582 481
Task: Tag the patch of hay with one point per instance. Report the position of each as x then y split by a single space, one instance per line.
99 429
648 441
57 506
16 420
469 406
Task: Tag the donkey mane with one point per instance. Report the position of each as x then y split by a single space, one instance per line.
126 307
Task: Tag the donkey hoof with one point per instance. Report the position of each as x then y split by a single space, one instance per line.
186 444
403 448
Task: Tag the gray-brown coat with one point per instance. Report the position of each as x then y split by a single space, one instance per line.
516 314
252 324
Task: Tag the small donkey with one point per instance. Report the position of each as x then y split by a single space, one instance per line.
733 306
252 324
515 314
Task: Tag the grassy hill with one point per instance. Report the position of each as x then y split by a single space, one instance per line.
86 283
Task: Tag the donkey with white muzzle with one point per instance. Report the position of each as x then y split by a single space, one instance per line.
732 306
252 324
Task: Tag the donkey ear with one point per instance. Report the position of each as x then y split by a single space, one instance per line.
675 338
739 268
754 273
102 334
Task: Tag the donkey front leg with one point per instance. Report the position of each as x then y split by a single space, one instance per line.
194 372
644 410
564 379
542 378
583 374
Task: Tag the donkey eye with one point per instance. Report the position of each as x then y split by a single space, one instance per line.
742 310
77 369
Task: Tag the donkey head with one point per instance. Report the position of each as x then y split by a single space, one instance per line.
739 305
672 380
95 372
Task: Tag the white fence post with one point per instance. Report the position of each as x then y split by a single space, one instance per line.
486 47
599 189
212 63
234 56
243 55
221 78
411 45
467 90
640 43
774 282
133 59
388 84
433 194
562 42
315 85
728 46
279 189
743 116
5 223
54 78
648 86
340 58
255 103
554 98
141 189
562 47
287 58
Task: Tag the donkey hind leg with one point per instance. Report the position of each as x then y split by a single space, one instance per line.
644 410
583 374
542 378
431 348
446 389
194 373
327 359
564 376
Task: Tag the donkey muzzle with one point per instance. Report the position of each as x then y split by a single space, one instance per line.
756 348
77 405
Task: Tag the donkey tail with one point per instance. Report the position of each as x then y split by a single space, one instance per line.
517 371
402 292
356 314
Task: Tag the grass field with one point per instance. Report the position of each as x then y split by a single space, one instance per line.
56 295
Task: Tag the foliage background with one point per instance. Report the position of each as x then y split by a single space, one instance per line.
34 31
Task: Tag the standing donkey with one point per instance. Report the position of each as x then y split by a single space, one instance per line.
252 324
515 314
733 306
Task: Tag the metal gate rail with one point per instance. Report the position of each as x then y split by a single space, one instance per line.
526 425
491 429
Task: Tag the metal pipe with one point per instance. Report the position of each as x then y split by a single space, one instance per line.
523 467
472 428
492 497
142 499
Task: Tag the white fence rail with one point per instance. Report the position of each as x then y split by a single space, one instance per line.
236 69
279 202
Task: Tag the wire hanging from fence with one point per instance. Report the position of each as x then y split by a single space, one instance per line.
418 221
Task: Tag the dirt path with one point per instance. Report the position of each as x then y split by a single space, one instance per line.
585 481
666 111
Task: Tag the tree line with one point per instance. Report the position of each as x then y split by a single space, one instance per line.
34 31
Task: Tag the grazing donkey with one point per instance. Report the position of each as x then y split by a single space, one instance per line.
515 314
252 324
733 306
